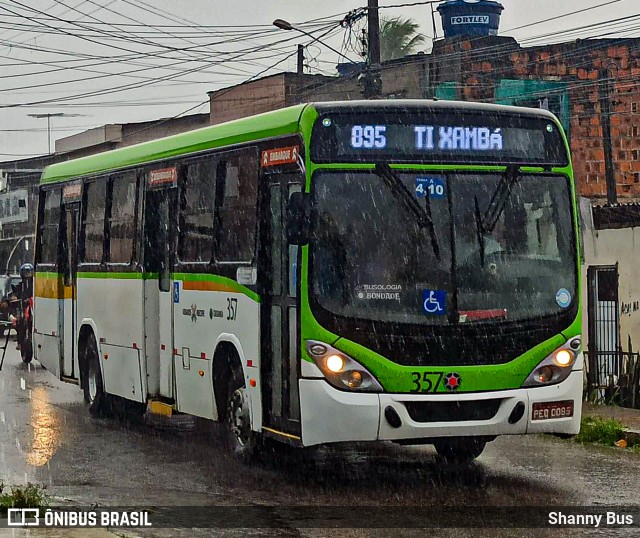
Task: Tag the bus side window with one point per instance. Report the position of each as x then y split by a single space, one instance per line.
196 213
236 206
49 227
93 226
121 224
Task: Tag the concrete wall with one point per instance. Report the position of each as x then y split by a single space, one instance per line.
616 248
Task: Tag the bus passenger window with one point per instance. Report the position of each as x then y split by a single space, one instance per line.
236 197
196 211
95 196
122 226
50 228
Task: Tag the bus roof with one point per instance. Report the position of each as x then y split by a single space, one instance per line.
275 123
270 124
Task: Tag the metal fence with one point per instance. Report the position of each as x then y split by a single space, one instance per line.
613 377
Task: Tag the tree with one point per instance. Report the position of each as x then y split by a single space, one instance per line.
399 37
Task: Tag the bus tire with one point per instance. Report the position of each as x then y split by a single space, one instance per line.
460 449
241 440
92 385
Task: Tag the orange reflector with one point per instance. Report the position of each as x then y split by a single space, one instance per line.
201 373
252 382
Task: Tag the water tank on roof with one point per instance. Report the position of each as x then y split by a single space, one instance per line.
470 17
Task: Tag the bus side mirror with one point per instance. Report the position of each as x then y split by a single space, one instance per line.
298 218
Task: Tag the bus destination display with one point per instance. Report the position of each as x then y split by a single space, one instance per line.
429 137
500 140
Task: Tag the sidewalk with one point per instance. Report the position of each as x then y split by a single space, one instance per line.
630 418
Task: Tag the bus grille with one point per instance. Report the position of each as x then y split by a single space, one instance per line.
453 411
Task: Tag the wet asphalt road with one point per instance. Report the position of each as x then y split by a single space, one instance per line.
47 437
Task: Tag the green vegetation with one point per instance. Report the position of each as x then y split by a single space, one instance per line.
399 37
600 430
29 496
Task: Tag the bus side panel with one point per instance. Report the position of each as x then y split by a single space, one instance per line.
119 320
203 319
47 330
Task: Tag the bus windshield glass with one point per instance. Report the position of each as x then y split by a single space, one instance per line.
490 247
437 136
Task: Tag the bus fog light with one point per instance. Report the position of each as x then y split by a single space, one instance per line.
334 363
563 358
544 374
352 379
318 349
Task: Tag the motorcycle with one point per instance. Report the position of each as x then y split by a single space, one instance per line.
22 322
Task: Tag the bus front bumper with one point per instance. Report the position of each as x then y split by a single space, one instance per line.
329 415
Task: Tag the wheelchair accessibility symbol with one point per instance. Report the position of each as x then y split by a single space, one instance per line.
434 302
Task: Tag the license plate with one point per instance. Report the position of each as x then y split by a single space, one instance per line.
551 410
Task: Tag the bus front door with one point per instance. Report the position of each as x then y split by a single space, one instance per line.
279 318
69 328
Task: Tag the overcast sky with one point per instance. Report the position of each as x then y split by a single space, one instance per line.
120 61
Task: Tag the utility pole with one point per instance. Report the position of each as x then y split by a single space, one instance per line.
605 120
372 80
300 69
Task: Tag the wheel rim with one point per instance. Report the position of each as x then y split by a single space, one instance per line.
239 418
92 383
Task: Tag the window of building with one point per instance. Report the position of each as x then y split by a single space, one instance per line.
122 218
197 212
95 197
236 213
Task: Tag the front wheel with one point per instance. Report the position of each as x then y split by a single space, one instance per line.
460 449
242 441
92 386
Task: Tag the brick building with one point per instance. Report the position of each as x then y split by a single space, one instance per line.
585 83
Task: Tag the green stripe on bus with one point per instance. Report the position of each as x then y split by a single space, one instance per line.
217 279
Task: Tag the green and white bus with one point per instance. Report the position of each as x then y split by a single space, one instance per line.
399 270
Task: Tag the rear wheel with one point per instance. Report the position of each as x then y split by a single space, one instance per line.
460 449
242 441
92 385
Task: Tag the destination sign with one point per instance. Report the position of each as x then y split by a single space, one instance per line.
429 137
450 138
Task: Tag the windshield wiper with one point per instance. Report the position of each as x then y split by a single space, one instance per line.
422 215
487 223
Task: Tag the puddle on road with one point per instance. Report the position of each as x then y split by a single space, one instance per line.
46 429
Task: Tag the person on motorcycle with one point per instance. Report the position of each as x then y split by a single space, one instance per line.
23 293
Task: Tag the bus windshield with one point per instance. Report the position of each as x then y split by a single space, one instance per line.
504 246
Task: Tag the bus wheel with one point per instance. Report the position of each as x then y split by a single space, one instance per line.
242 441
92 386
460 449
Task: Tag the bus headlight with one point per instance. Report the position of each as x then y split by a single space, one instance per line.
334 363
340 370
556 367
